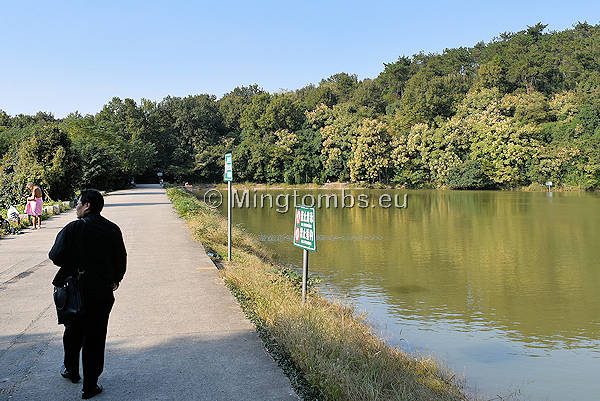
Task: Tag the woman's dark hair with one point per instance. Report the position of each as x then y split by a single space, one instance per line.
94 198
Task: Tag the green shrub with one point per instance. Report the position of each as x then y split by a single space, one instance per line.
469 175
46 158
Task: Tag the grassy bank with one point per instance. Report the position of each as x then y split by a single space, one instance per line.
326 348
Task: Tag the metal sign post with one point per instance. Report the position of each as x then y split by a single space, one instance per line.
305 237
229 221
304 273
228 177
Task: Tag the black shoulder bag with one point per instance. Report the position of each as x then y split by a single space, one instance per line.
68 300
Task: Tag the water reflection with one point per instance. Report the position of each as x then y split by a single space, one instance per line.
515 273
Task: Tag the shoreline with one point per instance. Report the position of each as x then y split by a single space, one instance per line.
324 347
348 185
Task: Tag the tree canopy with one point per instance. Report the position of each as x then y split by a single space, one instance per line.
523 108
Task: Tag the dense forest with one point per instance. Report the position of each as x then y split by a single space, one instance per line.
519 110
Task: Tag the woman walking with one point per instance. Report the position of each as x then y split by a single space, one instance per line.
34 205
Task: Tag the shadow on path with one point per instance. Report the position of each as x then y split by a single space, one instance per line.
137 204
136 193
206 366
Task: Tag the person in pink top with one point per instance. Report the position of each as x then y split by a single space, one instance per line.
34 205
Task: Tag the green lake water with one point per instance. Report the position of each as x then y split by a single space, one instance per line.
503 287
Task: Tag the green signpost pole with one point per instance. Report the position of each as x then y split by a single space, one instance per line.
228 177
305 237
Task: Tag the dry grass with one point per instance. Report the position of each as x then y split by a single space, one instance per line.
332 346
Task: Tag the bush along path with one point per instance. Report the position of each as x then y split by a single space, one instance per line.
327 349
10 226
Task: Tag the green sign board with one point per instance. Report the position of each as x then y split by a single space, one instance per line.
228 167
305 233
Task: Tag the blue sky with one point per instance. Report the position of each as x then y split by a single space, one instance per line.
63 56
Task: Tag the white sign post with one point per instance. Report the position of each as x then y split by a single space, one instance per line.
228 177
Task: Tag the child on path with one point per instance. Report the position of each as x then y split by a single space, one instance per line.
34 205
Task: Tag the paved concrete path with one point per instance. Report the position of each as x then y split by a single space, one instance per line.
175 333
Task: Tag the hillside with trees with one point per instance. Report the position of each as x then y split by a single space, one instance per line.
523 108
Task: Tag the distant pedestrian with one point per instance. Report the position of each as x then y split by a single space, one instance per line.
92 248
34 205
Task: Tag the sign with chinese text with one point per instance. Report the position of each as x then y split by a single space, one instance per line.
305 234
228 167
